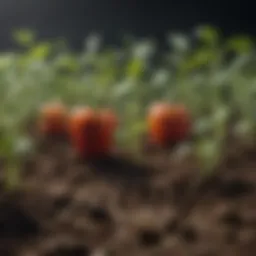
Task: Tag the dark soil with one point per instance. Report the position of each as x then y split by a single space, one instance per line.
115 206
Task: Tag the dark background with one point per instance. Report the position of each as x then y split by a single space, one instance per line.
74 19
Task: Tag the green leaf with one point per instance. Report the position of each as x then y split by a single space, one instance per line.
24 37
66 63
41 51
6 60
6 144
135 68
208 35
240 44
198 59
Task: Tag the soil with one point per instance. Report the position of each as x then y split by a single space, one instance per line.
156 206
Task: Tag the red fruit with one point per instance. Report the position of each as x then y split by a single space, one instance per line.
109 124
53 119
109 118
168 124
91 132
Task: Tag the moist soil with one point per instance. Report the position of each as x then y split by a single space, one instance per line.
156 204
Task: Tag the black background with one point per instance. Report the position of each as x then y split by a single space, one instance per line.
75 19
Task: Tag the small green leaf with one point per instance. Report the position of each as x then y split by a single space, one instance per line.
24 37
240 44
200 58
6 144
208 35
138 128
135 68
66 63
40 51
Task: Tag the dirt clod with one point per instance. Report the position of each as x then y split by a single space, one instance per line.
149 237
69 250
15 223
172 226
235 188
98 214
232 219
189 234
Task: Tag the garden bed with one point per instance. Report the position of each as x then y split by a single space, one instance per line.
196 201
114 206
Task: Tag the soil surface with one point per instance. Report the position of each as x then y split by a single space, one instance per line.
157 206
